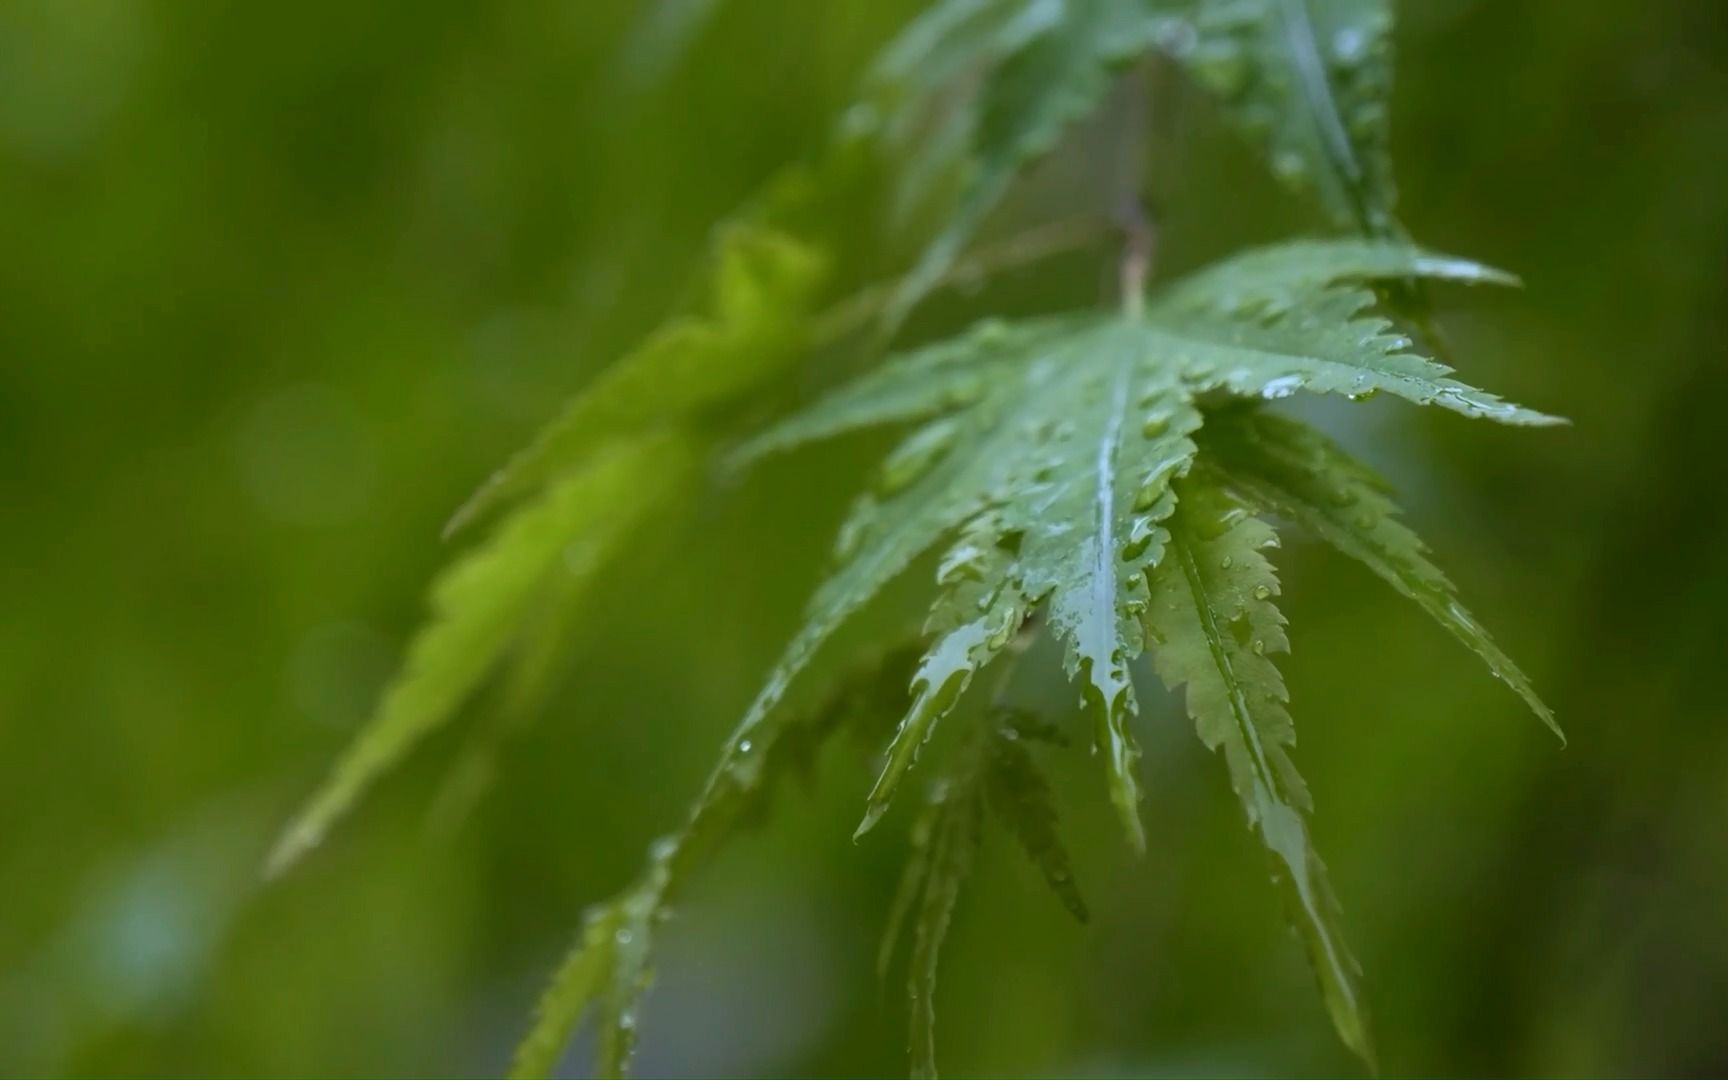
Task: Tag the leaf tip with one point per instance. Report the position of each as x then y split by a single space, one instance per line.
1467 271
300 837
873 812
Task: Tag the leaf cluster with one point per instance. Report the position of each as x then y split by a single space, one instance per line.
1109 477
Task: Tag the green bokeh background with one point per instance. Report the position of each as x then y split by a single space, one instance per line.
282 282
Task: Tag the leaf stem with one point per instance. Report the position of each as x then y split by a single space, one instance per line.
1139 231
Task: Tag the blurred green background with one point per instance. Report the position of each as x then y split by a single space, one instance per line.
283 282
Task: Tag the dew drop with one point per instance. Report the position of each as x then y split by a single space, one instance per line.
1281 387
1261 592
745 746
962 561
1155 426
1140 535
623 937
1349 45
1226 562
1259 647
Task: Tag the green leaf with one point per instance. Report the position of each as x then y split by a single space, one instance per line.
559 541
609 967
1020 797
574 987
956 830
610 962
1298 317
1045 66
975 621
1286 468
1050 447
1310 82
1058 468
911 887
1215 627
762 285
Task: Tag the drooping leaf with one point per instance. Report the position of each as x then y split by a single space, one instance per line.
609 969
1049 446
956 834
558 541
1310 81
910 888
1289 469
575 985
1020 796
1057 62
1215 629
609 964
975 621
763 282
614 456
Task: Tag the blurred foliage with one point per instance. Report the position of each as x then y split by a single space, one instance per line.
287 281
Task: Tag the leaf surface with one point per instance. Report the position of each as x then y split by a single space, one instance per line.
762 285
1050 446
1309 82
1291 470
1216 628
560 541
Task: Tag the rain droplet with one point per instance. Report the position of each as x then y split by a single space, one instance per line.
1140 535
1281 387
1259 647
1155 425
1261 592
1226 562
962 561
745 746
1349 45
623 937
